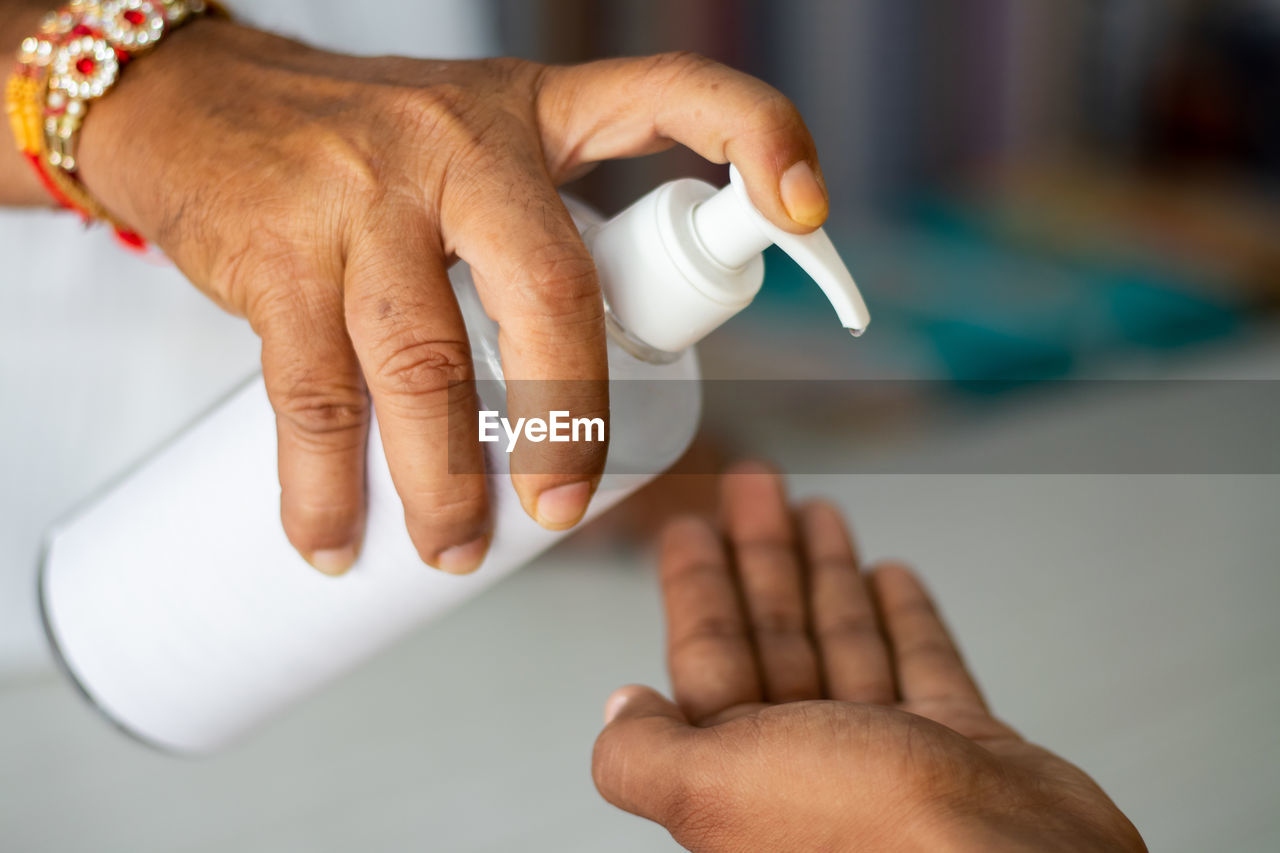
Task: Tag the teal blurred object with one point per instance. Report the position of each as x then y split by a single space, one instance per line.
987 310
990 359
1150 313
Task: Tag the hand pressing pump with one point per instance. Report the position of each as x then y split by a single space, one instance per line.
181 610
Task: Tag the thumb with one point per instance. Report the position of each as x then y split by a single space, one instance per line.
627 107
639 763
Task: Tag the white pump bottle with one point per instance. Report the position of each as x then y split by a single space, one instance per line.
177 604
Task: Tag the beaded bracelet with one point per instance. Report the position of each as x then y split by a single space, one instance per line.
75 59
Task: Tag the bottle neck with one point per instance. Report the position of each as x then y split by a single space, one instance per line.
632 345
726 229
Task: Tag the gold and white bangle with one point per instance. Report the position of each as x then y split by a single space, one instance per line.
76 58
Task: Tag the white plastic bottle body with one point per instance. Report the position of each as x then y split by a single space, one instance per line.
178 606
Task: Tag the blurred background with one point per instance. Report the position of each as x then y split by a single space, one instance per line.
1065 218
1024 190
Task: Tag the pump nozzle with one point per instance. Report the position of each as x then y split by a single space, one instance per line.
733 232
687 257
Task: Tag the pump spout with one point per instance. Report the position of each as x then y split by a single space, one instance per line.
731 230
818 257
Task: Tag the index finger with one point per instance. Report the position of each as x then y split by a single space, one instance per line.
537 280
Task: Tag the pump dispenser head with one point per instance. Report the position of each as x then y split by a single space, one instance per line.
687 257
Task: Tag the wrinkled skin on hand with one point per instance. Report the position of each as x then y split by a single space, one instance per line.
822 708
324 196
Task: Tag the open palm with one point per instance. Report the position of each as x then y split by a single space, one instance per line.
821 708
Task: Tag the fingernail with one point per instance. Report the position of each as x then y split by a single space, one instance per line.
463 559
333 561
563 506
803 195
614 704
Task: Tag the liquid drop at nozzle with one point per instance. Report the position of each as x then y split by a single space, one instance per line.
733 231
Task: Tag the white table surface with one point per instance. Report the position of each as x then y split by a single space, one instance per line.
1126 621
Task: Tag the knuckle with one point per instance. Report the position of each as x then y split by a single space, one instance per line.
350 164
423 367
557 297
273 313
441 110
561 273
445 518
852 627
510 69
777 620
677 63
707 632
776 115
236 274
691 570
834 566
446 507
871 690
912 610
712 627
930 771
688 525
572 462
281 293
775 554
322 411
313 523
928 650
314 516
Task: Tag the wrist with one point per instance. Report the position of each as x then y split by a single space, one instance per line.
171 115
70 64
121 154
